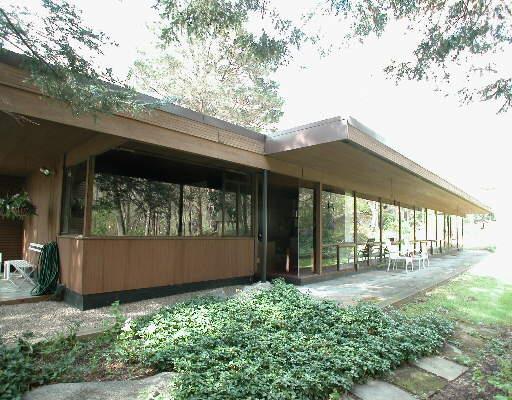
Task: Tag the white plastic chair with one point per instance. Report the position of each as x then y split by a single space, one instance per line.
395 255
422 257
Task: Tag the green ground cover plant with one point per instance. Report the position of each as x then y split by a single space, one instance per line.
270 344
276 344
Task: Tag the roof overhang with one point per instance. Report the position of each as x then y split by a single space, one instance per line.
345 148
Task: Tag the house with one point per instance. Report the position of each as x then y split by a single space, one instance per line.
172 200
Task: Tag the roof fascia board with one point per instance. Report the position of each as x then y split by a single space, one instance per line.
16 60
326 131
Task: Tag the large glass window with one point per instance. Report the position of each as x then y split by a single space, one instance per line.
407 224
421 232
337 227
367 220
440 227
390 223
306 231
141 195
73 199
431 224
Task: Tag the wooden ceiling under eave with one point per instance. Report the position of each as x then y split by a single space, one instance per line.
344 165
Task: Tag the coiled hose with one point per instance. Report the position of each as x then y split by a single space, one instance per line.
49 267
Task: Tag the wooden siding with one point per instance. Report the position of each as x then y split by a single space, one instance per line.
11 232
45 192
101 265
71 262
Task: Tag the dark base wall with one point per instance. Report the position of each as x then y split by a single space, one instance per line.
90 301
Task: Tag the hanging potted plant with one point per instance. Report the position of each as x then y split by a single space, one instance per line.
17 206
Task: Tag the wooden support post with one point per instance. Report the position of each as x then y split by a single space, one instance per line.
380 230
264 225
337 257
89 187
318 228
180 212
237 207
399 227
414 228
462 231
356 261
457 230
255 220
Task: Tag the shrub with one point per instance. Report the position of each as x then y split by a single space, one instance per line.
276 344
17 370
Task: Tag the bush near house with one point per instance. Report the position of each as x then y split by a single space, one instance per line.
270 344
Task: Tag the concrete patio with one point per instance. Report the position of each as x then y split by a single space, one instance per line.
395 286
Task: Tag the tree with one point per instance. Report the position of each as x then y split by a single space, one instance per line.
61 57
452 33
214 77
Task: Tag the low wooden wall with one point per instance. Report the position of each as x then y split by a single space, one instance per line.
100 265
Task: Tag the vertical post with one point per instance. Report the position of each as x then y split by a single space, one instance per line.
457 230
356 261
380 229
414 228
318 228
462 231
264 225
426 223
337 257
237 207
399 227
89 186
435 215
180 212
255 220
223 201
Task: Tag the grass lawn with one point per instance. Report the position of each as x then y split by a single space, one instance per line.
481 308
272 344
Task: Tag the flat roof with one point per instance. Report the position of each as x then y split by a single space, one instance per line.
323 146
313 139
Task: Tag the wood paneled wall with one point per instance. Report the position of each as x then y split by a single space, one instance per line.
102 265
45 193
71 262
11 232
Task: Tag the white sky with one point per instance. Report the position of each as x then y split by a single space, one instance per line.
468 145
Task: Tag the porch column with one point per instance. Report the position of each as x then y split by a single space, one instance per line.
437 240
414 227
399 227
356 261
462 231
264 224
180 212
255 220
317 262
89 185
380 229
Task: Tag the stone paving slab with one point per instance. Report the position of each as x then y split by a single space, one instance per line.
416 381
379 390
441 367
111 390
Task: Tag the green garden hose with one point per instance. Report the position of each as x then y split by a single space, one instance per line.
49 266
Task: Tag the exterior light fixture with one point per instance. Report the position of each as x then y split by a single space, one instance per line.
46 171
